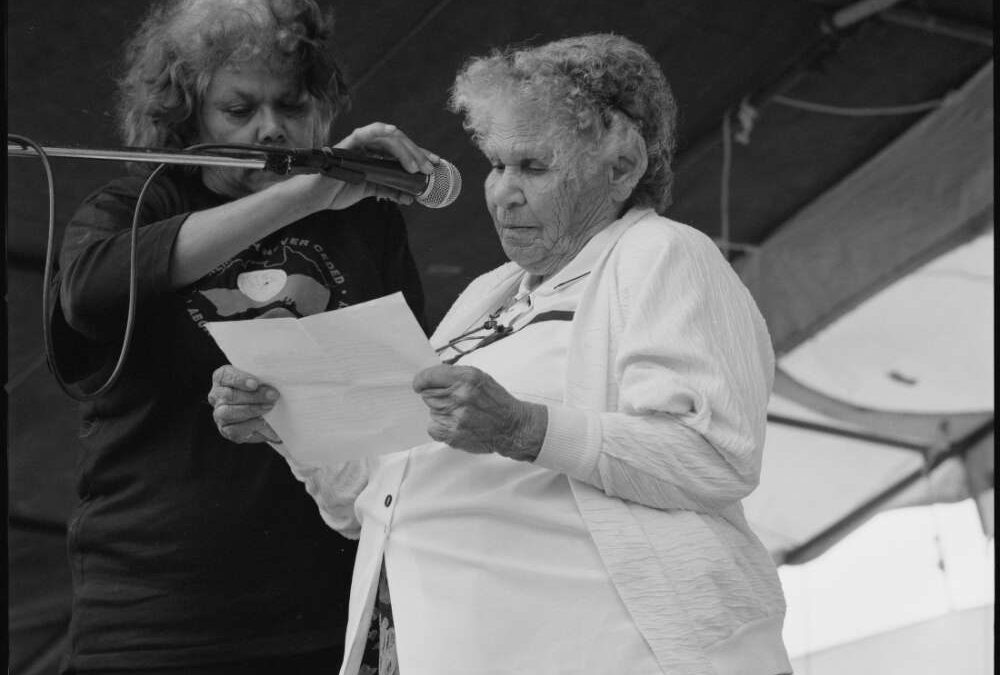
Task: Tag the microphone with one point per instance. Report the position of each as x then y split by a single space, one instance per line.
437 190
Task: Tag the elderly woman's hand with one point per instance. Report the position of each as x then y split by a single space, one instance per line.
240 401
472 412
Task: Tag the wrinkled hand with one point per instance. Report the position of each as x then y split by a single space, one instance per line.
383 140
472 412
240 400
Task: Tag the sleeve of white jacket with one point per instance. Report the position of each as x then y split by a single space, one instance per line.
334 488
694 369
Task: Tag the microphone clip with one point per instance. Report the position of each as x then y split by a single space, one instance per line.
286 162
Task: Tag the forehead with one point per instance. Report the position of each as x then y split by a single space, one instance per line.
252 79
515 131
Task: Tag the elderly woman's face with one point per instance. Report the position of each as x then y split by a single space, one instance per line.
544 209
252 104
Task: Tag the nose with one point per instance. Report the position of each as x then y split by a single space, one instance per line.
504 189
271 128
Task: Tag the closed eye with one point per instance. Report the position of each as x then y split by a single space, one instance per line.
533 166
526 166
295 107
239 111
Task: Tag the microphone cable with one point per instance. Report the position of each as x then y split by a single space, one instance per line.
49 264
47 277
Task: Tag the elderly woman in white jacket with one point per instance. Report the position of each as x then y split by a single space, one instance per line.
598 415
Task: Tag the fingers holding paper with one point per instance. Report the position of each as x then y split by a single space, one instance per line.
239 401
471 411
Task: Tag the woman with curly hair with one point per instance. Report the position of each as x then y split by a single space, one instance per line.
190 554
597 420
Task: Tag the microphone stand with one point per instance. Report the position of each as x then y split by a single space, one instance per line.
275 160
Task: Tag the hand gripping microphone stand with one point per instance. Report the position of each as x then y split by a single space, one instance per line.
437 190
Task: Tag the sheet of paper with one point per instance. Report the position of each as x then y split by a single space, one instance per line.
344 377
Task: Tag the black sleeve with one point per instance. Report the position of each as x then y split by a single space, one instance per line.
94 260
399 270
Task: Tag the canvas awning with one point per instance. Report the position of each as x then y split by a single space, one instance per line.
878 295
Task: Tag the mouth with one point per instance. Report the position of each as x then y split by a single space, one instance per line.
515 232
517 235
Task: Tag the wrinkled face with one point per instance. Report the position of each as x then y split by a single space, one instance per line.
252 104
544 208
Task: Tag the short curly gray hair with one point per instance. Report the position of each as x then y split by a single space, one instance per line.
181 43
581 84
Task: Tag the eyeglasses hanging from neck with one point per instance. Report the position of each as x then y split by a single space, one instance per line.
492 330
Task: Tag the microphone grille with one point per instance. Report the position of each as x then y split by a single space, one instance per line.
443 186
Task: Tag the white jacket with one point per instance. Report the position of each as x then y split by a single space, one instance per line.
661 433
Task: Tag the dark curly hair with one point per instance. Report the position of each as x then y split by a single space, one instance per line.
181 43
581 84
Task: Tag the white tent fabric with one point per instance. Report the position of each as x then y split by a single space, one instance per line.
879 297
924 344
911 591
959 643
813 480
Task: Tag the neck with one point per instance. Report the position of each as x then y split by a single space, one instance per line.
533 281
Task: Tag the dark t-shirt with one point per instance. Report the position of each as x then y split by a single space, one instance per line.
184 547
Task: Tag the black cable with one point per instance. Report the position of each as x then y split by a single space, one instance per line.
48 274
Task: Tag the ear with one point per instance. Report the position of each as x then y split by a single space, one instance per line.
627 166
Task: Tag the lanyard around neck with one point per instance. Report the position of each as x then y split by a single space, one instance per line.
498 331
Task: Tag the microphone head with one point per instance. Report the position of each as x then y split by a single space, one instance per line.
443 186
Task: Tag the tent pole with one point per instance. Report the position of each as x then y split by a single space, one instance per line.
845 433
819 542
933 24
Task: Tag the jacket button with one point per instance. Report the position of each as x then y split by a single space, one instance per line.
388 500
